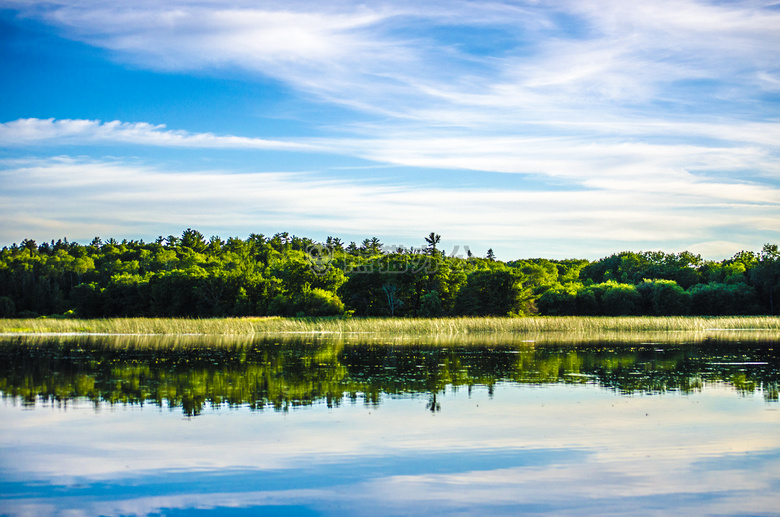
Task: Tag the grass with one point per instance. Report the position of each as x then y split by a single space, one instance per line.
391 326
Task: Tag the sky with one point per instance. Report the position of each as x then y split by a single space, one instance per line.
562 129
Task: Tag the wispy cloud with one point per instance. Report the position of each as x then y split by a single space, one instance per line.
585 160
644 123
586 72
41 196
33 131
399 57
668 64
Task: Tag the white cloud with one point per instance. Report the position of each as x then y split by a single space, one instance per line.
642 121
387 57
582 158
43 197
33 131
576 68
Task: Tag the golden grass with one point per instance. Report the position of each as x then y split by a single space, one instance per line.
390 326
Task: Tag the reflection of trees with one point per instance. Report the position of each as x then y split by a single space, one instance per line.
264 373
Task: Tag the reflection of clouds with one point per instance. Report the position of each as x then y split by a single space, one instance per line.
156 505
559 489
571 489
637 447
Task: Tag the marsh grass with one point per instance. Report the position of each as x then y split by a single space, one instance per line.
517 340
389 327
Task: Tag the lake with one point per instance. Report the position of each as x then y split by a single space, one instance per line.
357 425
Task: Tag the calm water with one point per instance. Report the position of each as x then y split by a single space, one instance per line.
146 426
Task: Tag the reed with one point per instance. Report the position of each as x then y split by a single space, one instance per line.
388 326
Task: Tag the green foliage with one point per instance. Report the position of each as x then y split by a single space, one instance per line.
559 300
766 276
430 305
193 240
433 239
632 268
717 299
190 276
319 302
7 307
665 297
364 294
494 293
622 300
310 302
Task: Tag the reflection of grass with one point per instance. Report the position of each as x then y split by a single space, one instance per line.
264 371
536 328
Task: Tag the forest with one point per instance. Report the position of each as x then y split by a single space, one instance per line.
286 275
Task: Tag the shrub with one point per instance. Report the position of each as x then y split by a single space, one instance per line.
665 297
621 300
558 301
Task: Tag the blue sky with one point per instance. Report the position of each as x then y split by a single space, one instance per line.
561 129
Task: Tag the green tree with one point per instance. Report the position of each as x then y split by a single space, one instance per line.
621 300
7 307
717 299
433 239
430 305
559 300
765 274
665 297
494 293
30 246
363 294
371 247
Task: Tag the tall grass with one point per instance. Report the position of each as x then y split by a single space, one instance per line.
390 326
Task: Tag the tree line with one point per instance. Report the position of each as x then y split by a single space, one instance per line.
286 275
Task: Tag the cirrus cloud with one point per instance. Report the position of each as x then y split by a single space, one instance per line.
44 197
637 125
33 131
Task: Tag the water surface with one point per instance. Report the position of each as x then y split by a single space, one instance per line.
199 426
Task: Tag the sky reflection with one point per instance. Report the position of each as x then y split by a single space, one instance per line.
559 449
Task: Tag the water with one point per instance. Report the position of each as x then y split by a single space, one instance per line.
145 426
